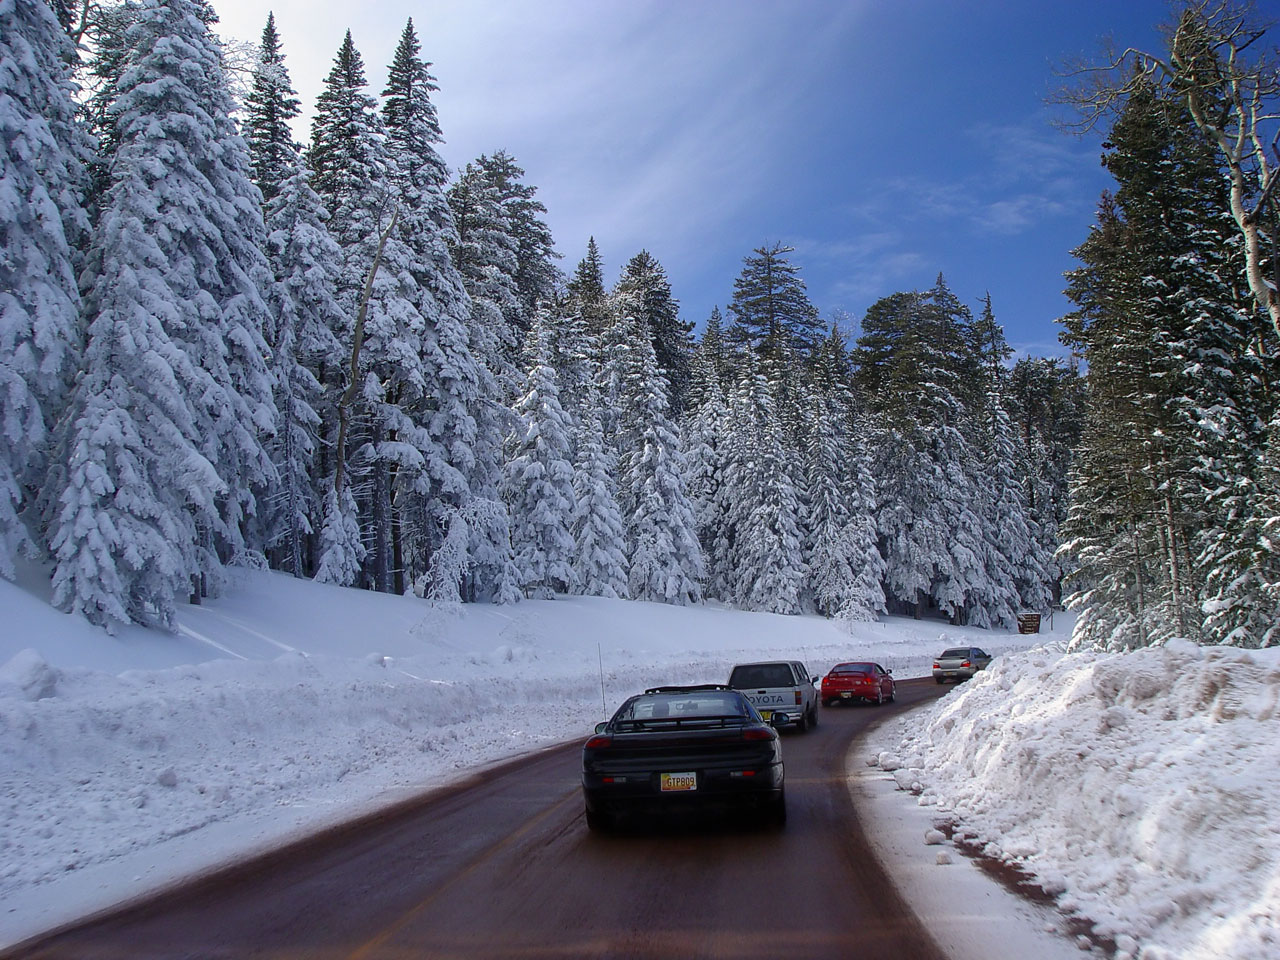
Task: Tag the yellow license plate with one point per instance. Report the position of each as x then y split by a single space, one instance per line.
765 715
679 782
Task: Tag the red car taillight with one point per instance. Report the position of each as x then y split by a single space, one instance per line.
757 733
966 664
598 743
937 667
799 699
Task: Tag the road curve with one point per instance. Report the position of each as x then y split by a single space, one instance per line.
502 866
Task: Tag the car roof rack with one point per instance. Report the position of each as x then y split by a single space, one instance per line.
689 688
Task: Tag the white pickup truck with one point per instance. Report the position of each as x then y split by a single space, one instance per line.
780 688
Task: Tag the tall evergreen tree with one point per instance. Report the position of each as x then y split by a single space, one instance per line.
770 308
165 448
645 281
598 529
665 558
458 400
270 107
42 225
1164 427
538 482
486 257
305 311
762 555
536 272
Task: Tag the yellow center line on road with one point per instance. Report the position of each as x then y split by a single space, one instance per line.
366 950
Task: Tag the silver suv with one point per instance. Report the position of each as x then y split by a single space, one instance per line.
779 689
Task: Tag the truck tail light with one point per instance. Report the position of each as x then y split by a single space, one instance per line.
799 699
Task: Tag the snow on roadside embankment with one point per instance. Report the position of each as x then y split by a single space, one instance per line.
1140 788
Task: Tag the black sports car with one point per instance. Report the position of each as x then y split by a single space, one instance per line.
675 747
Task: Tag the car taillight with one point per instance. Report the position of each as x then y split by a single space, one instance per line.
756 733
966 664
937 666
599 743
799 699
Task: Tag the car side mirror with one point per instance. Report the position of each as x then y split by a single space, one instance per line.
602 726
778 720
889 670
814 680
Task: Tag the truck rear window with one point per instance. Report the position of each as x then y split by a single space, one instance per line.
755 676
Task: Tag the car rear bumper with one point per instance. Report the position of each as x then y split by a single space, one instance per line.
641 792
859 694
956 673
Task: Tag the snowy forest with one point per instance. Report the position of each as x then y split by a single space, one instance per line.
342 360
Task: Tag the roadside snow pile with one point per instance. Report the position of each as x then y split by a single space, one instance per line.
94 766
1139 787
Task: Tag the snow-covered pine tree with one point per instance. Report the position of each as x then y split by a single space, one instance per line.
538 481
598 529
354 174
770 307
645 281
537 276
1013 566
664 556
703 430
1047 403
306 262
580 325
485 255
270 107
42 225
459 402
845 566
341 548
1154 306
165 438
908 361
760 543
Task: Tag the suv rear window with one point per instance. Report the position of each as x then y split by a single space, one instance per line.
758 675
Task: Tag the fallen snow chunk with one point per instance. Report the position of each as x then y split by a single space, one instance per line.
168 777
908 780
943 858
27 671
1185 647
889 761
934 837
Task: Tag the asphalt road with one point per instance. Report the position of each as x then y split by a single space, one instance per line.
503 866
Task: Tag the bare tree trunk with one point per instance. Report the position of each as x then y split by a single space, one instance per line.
348 395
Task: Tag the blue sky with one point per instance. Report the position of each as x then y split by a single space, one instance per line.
886 140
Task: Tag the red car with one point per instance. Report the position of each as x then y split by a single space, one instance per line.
857 681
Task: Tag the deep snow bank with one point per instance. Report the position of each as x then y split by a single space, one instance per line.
1139 787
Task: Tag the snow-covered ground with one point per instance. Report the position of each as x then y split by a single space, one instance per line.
1135 788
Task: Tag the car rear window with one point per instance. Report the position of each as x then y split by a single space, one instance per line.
660 706
757 675
962 652
853 668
